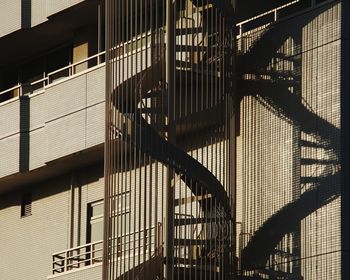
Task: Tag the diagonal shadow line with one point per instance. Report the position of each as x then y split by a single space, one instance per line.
149 141
270 41
286 220
290 105
266 238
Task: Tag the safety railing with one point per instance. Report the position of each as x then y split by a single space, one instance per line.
50 78
278 14
77 257
10 93
274 14
129 244
121 51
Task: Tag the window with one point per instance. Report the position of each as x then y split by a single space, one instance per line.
122 204
26 205
95 214
95 226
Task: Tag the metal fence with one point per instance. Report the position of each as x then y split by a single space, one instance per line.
149 240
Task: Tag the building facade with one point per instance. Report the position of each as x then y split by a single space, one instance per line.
292 192
184 139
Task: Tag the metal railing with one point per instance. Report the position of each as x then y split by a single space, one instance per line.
54 76
121 51
77 257
276 14
10 93
148 240
273 12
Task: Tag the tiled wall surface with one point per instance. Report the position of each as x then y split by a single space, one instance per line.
286 149
18 14
65 118
9 24
27 244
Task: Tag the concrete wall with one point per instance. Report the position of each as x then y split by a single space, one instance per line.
27 244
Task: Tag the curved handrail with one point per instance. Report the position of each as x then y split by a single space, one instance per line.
149 141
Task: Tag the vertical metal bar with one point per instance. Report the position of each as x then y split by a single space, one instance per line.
117 143
138 120
136 152
170 83
99 31
106 227
123 151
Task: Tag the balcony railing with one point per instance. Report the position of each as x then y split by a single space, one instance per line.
77 257
50 78
147 240
133 46
280 13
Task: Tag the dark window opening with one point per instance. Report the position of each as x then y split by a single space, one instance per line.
26 205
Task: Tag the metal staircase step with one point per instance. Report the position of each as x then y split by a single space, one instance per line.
194 221
199 198
286 57
310 144
310 161
149 110
309 180
188 30
153 93
191 242
194 273
202 262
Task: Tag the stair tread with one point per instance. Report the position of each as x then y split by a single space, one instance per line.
190 242
308 161
202 261
192 221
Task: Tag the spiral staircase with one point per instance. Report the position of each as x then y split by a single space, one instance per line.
202 233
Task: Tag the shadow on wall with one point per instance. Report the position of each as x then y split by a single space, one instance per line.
53 186
279 90
26 17
26 13
24 145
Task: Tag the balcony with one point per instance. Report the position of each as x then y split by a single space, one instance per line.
55 116
60 114
139 245
78 257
